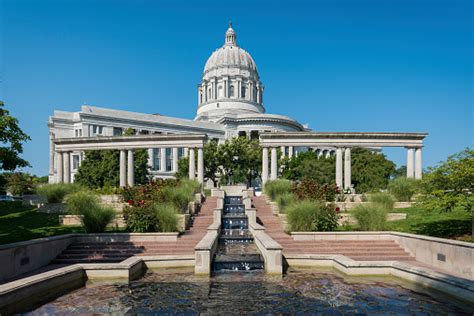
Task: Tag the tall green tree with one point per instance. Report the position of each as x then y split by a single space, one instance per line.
102 168
450 184
308 165
371 171
12 138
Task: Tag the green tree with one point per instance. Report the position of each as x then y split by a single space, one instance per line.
308 165
19 183
450 184
101 168
239 160
371 171
12 138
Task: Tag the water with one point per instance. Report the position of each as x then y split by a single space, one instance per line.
236 250
304 292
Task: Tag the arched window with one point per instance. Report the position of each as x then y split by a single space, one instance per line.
231 91
243 92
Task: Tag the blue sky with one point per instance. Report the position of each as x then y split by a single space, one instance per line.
349 65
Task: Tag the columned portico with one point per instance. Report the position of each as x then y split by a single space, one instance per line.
339 167
410 169
264 165
347 169
273 163
418 163
123 168
192 164
130 169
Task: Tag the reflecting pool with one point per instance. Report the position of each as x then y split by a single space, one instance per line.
303 292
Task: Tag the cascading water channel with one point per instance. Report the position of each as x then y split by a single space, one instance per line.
237 250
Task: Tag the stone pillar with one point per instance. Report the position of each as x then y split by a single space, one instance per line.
186 152
264 165
67 166
175 159
151 161
123 168
418 164
290 151
60 165
200 166
273 164
283 153
347 169
131 169
192 164
163 159
51 154
410 163
339 167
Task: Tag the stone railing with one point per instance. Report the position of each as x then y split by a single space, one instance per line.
270 249
204 251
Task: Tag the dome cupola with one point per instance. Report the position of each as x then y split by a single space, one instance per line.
230 82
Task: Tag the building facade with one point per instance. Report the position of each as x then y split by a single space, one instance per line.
230 103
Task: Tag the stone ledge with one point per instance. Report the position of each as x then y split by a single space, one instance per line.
454 286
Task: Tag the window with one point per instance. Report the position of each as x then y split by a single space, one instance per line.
97 130
75 162
157 158
231 91
242 134
180 152
169 159
243 92
118 131
254 134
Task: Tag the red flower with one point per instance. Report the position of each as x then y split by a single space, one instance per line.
130 202
337 209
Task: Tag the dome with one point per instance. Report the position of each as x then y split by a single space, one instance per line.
230 83
230 55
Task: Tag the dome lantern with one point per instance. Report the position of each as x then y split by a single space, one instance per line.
230 37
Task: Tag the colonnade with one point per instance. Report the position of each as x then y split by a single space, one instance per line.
127 169
343 164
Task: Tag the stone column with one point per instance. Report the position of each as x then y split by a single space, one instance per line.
123 168
290 151
418 164
51 154
67 166
186 151
283 153
192 164
339 167
273 164
131 169
410 163
175 159
60 165
347 169
200 166
163 159
151 161
264 165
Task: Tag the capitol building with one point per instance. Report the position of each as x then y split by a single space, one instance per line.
230 103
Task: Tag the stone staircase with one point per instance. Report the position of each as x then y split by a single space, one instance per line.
362 250
109 252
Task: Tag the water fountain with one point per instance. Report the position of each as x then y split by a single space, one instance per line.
236 250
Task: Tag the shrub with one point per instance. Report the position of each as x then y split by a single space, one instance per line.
94 216
382 200
371 217
55 193
312 190
167 217
138 194
274 188
141 218
307 215
285 199
403 188
179 196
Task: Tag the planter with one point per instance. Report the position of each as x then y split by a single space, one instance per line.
183 222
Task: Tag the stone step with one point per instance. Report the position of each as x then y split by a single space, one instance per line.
89 260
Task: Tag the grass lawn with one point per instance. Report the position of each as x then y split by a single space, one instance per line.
454 225
18 223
